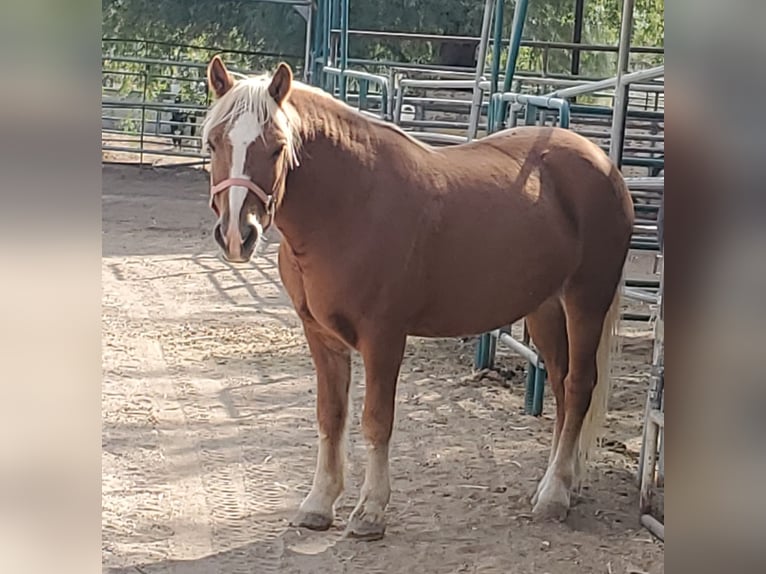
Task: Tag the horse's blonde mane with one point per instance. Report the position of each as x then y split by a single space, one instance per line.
373 120
251 95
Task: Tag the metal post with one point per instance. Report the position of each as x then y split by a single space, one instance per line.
491 115
485 356
473 121
143 114
343 47
539 391
308 57
529 391
328 45
334 50
497 45
363 87
577 35
387 102
617 139
517 30
321 40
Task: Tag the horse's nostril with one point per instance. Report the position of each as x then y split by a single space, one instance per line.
251 236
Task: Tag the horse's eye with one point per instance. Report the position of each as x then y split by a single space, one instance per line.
278 151
210 146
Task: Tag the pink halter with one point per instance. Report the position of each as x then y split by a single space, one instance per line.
265 198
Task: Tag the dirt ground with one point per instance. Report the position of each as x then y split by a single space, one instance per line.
209 434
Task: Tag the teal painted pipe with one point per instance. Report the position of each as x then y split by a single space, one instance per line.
530 115
539 391
492 350
343 47
485 351
478 358
517 31
327 26
325 47
497 45
491 116
529 394
318 54
363 88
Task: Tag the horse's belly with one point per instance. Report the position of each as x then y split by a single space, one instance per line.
469 316
475 300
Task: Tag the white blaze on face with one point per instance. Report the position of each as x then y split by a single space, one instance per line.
243 133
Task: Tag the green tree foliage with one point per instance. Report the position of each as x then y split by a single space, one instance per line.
278 30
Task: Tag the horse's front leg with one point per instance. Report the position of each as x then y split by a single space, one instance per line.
382 360
332 360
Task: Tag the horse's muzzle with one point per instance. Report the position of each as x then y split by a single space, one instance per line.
242 252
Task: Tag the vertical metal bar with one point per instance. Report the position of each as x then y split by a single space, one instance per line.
513 119
517 31
564 115
492 349
143 115
384 98
326 30
473 120
491 115
335 37
307 57
530 115
529 392
477 358
481 360
320 42
363 87
343 47
617 139
577 35
537 399
497 45
648 467
398 105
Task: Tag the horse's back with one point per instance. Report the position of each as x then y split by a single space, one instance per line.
573 168
527 207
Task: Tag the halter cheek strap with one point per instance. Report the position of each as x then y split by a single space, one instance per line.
266 199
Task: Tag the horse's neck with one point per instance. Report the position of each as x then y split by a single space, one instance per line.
331 186
327 121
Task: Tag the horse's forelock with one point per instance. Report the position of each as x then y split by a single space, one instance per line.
251 95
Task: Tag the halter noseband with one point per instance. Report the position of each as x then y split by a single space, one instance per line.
265 198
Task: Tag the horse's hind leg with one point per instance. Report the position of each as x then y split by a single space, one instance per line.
548 329
382 361
586 308
332 360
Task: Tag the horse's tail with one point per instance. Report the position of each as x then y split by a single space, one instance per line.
607 349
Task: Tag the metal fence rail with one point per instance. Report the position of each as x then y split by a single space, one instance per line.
155 95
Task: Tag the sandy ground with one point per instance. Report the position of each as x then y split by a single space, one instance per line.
209 433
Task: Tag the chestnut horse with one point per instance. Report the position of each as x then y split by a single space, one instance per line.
385 237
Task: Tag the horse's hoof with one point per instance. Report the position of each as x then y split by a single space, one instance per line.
550 510
312 520
363 530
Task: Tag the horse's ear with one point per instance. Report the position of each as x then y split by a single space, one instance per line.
281 83
218 77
